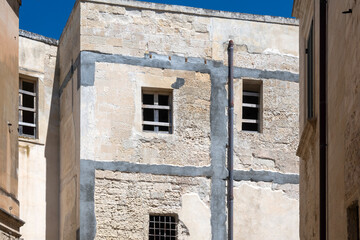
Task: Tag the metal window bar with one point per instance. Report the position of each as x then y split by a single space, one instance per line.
155 108
251 123
162 227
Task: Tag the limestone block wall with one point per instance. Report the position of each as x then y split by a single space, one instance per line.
127 46
274 147
116 133
134 28
124 201
39 157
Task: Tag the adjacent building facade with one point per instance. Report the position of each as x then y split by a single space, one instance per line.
123 125
329 118
10 222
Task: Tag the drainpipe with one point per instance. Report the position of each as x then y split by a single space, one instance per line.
323 119
230 192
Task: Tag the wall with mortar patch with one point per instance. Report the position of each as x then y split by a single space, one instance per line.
125 45
117 130
39 157
123 202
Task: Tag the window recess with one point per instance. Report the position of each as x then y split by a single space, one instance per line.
251 106
157 111
27 108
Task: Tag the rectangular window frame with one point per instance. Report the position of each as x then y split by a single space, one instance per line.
156 225
310 74
252 88
22 108
156 108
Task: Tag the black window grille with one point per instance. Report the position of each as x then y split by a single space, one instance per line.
162 227
157 112
251 114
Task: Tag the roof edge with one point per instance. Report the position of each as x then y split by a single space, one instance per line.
198 11
38 37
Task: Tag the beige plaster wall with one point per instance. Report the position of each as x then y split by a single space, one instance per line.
123 202
343 114
69 128
39 158
274 147
69 159
9 85
120 28
263 212
114 115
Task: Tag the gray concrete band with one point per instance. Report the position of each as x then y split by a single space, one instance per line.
217 171
154 60
87 184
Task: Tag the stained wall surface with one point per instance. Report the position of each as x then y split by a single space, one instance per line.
39 156
342 75
69 127
9 71
111 51
129 46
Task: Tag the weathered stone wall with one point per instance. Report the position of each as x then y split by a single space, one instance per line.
266 211
123 202
9 84
132 28
274 147
127 45
117 134
39 157
69 126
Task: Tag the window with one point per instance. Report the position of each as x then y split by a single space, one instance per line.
162 227
310 74
156 108
27 108
353 221
251 112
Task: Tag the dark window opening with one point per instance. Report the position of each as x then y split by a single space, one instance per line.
27 108
157 111
251 106
353 221
162 227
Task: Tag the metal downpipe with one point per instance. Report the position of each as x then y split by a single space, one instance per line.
230 187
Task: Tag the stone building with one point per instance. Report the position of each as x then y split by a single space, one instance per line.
329 118
126 128
10 222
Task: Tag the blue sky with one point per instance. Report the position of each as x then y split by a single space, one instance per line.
48 18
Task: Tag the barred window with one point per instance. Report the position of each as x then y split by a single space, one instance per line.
251 106
162 227
27 108
157 110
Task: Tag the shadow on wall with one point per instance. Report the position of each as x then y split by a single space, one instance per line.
53 162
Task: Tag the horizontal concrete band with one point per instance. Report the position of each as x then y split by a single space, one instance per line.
190 171
88 59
